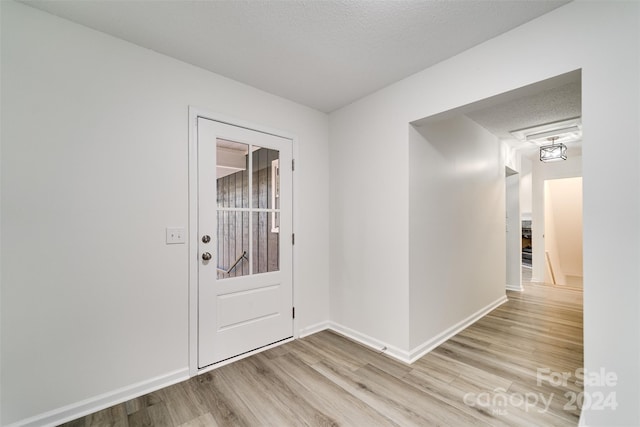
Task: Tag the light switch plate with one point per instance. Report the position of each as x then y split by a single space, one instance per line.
176 235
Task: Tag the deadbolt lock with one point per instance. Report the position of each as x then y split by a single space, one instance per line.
206 238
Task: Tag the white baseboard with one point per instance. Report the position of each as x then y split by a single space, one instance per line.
515 288
103 401
106 400
415 354
310 330
429 345
581 421
370 342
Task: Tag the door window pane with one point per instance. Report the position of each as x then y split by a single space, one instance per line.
248 206
266 178
232 164
233 244
266 243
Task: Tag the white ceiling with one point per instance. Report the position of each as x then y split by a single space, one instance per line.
323 54
547 106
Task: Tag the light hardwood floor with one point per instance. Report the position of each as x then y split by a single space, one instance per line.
485 375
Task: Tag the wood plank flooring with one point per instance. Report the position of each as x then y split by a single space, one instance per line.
485 375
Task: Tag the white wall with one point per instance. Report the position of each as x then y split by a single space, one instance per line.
456 225
369 226
94 167
369 179
553 268
563 226
513 226
525 187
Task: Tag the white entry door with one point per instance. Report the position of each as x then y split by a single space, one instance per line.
245 296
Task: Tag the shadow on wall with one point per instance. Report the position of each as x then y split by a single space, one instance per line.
456 224
451 139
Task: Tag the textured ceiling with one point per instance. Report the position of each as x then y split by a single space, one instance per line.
564 102
546 102
323 54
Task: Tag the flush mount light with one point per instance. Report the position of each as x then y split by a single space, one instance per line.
566 131
553 152
562 131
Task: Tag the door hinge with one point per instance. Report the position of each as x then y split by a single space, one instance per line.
293 312
293 165
293 238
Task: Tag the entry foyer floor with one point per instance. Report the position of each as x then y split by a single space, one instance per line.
499 371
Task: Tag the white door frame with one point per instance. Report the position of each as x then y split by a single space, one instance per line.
194 114
513 230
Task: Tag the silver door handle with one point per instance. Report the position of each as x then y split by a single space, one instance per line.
206 256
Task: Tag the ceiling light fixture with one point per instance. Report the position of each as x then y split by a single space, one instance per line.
554 132
567 131
553 152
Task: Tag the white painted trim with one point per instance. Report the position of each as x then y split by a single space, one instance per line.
234 121
103 401
402 355
294 220
372 343
514 288
193 239
581 421
429 345
88 406
194 113
310 330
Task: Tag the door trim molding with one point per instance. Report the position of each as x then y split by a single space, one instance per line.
194 114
